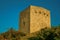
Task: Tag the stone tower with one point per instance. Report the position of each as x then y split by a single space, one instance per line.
33 19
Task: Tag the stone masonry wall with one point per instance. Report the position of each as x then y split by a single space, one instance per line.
34 19
39 18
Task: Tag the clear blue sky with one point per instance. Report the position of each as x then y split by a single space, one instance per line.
10 10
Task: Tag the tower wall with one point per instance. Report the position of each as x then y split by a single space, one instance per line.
24 24
39 18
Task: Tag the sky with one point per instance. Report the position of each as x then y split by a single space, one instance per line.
10 11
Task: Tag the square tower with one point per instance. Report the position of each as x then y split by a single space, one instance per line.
33 19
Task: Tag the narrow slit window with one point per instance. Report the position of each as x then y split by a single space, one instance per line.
39 12
35 11
44 13
24 23
47 14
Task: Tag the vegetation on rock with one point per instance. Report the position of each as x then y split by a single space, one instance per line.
44 34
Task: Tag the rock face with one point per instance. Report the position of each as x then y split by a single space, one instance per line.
33 19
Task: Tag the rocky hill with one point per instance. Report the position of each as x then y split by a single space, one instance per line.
44 34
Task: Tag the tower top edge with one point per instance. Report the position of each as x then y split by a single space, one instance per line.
38 7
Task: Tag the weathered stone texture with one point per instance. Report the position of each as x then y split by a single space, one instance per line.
34 19
25 21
